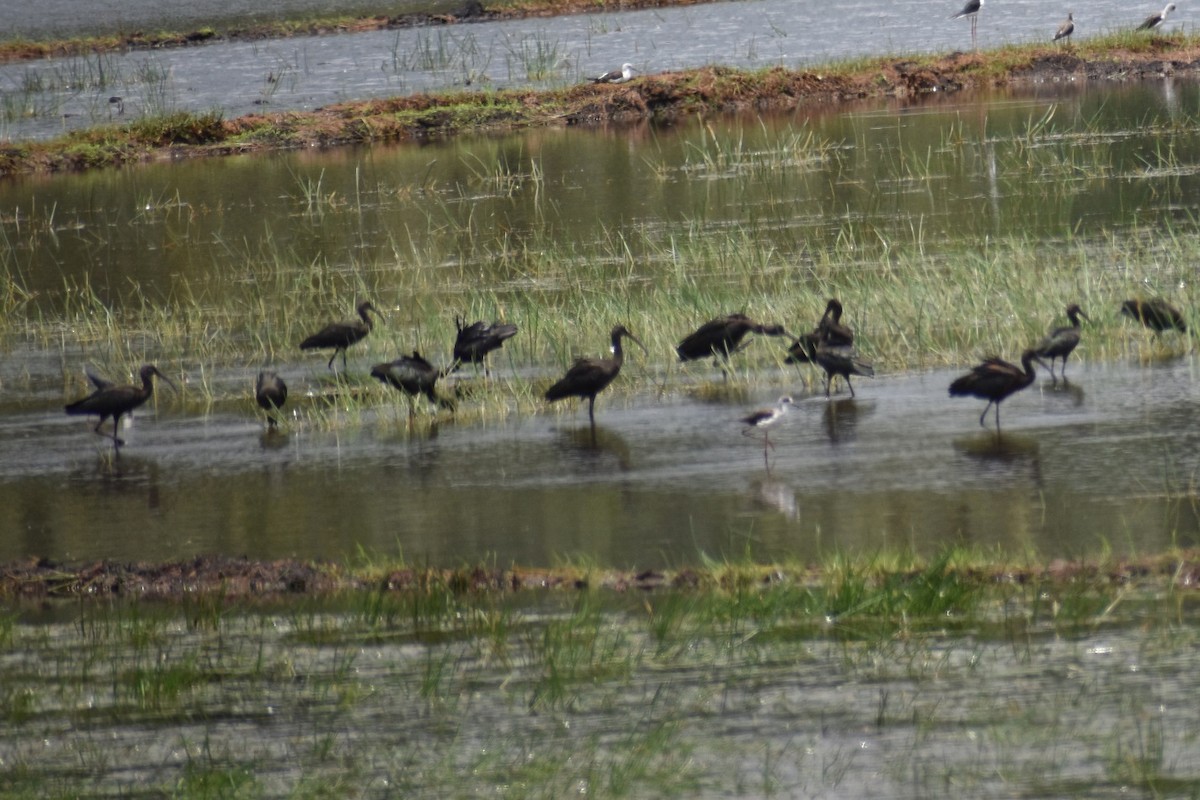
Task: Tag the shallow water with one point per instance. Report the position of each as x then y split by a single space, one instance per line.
45 98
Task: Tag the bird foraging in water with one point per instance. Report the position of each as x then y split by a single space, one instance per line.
994 380
475 341
340 335
763 418
270 392
722 337
625 73
834 359
413 375
587 377
1066 29
971 9
1061 342
1154 20
1155 314
112 400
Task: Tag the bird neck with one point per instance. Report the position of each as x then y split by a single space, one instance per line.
617 350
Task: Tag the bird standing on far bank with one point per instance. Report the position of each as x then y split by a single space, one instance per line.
112 400
270 392
1066 29
1154 20
971 9
587 377
1155 314
1061 342
340 335
994 380
625 73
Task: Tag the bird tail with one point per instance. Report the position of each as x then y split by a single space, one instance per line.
558 391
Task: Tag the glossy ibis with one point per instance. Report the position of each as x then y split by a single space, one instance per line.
763 418
413 375
1066 29
721 337
475 341
1061 342
829 330
340 335
1154 20
112 400
587 377
834 359
1155 314
994 380
971 9
625 73
271 393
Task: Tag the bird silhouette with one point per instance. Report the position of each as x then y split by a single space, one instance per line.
587 377
270 392
340 335
413 375
994 380
722 337
1066 29
1061 342
1155 314
113 400
478 339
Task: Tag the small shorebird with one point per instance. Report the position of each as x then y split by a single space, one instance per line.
1061 342
113 400
971 9
763 418
994 380
1066 29
621 75
270 392
1154 20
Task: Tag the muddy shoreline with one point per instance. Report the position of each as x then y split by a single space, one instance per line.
239 579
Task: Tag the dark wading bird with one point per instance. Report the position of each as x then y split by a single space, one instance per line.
1155 314
829 331
112 400
1061 342
1066 29
340 335
1154 20
994 380
271 393
722 337
475 341
834 359
971 9
587 377
763 418
413 375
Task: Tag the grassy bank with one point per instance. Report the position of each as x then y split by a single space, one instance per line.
662 96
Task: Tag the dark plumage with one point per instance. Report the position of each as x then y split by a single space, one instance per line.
1066 29
475 341
412 375
834 359
721 337
829 331
111 400
340 335
1154 314
587 377
1154 20
271 393
994 380
1061 342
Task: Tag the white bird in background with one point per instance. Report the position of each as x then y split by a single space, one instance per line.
616 75
971 9
1154 20
1066 29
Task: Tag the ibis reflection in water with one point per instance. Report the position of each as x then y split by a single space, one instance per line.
994 380
340 335
478 339
413 375
1155 314
587 377
722 337
270 392
1061 342
115 401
